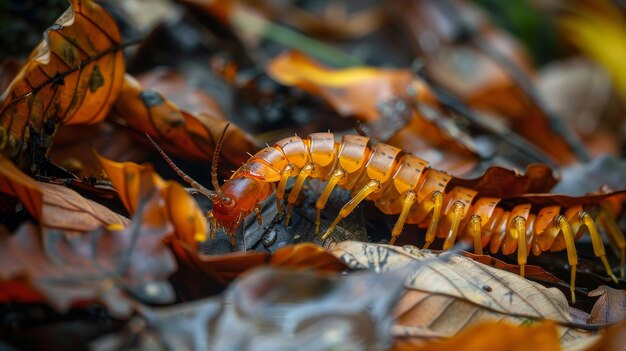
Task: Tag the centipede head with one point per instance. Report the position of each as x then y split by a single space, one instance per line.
225 214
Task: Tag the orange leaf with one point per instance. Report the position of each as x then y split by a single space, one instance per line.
353 91
181 133
494 336
181 209
15 183
72 77
230 266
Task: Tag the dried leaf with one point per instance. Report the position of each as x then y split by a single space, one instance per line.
531 272
109 266
55 206
176 131
271 309
610 307
15 183
301 256
72 77
502 182
180 208
495 336
449 295
353 91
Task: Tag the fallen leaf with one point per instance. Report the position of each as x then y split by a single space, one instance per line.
495 336
303 256
355 91
72 77
113 267
15 183
610 307
179 207
273 309
176 131
531 272
502 182
452 293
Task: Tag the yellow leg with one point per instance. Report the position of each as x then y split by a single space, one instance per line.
474 228
321 201
212 221
432 227
293 195
409 200
617 236
520 229
572 256
370 187
598 245
280 191
457 213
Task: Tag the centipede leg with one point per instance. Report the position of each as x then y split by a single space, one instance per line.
370 187
475 231
212 222
293 195
321 201
519 223
617 236
409 200
432 227
572 256
598 245
258 214
280 191
457 213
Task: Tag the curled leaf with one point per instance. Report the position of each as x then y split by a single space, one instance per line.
113 267
176 131
72 77
452 293
179 207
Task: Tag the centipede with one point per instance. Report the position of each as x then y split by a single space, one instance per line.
403 184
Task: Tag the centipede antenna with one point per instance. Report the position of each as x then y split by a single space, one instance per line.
197 186
216 157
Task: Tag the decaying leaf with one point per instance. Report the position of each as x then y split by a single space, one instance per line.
55 206
495 336
353 91
179 207
610 307
15 183
304 256
449 295
531 272
113 267
178 132
271 309
72 77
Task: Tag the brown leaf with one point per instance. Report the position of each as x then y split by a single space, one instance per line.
113 267
531 272
176 131
450 294
72 77
279 310
352 91
304 256
55 206
494 336
179 207
64 209
15 183
502 182
610 307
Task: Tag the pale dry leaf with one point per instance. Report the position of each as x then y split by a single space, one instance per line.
610 307
448 295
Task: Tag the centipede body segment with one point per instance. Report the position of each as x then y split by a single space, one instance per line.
403 184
